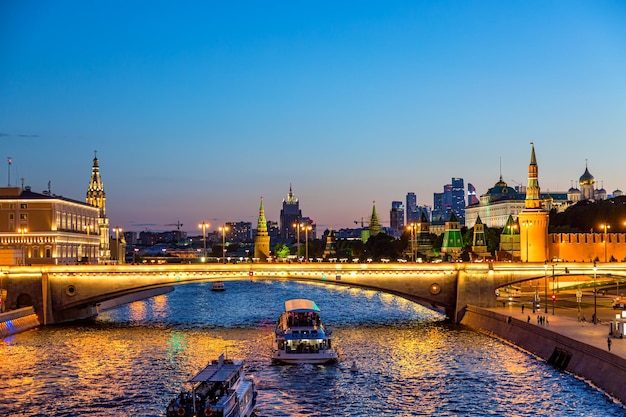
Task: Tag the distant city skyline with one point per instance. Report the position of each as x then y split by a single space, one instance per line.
198 111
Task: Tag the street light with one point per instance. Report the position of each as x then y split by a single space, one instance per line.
605 227
23 231
545 284
306 228
203 226
411 227
117 231
297 226
223 229
553 293
595 302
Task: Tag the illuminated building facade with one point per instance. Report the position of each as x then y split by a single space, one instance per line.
46 229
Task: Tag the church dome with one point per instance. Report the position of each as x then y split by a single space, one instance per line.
587 178
618 193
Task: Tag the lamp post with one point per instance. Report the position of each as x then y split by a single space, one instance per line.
23 231
595 302
223 229
297 226
117 231
553 293
203 226
411 228
306 228
605 227
135 250
545 285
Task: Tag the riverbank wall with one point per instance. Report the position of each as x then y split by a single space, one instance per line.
16 321
602 368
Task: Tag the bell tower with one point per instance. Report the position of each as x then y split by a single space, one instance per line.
96 197
533 220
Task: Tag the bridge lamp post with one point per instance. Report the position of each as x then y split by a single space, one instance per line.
545 285
297 226
117 231
306 228
135 250
203 226
223 229
23 231
605 227
553 293
595 301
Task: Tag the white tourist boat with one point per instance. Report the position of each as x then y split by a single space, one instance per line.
219 390
218 286
300 336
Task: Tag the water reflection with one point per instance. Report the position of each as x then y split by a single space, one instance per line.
132 360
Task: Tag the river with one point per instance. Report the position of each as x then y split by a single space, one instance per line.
132 360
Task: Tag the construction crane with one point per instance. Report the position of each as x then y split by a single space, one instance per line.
178 225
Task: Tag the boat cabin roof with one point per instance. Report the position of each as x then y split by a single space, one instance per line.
301 305
219 371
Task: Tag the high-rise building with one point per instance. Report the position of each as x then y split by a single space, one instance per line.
452 199
412 215
471 194
290 215
396 220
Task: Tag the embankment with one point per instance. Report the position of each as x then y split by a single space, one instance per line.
16 321
604 369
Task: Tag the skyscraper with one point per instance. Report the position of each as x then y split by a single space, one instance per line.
290 215
411 208
452 199
396 215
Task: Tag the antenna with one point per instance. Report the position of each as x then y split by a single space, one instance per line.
9 160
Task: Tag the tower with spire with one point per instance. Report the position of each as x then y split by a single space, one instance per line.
262 238
290 215
533 220
96 197
452 238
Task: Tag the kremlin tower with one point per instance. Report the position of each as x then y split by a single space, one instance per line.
262 238
533 220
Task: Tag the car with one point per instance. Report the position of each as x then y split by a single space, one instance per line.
619 304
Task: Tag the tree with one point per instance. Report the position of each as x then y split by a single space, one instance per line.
281 250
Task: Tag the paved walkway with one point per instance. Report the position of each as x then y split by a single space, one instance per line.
565 322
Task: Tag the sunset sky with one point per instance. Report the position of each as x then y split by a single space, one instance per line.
197 109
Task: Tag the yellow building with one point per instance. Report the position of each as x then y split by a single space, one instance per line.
42 228
46 229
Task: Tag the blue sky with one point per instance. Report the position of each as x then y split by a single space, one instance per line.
197 109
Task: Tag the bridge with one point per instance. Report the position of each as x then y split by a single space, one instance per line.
62 293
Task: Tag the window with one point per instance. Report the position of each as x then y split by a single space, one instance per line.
23 216
24 206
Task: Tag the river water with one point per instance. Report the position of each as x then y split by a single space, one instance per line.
132 360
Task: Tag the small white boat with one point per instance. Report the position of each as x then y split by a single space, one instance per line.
218 286
220 390
300 336
354 367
